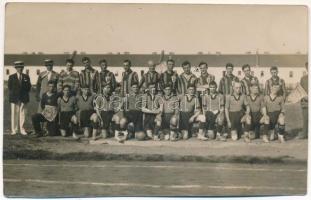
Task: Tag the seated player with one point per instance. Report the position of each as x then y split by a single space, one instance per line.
169 118
213 110
49 112
275 122
104 109
189 110
86 114
133 114
257 111
152 110
234 111
67 110
119 122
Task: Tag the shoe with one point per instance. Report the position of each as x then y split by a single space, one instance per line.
75 136
265 139
234 136
167 137
218 137
223 138
202 137
13 133
281 138
272 136
23 132
246 138
156 138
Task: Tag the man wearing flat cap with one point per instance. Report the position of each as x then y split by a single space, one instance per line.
44 78
19 87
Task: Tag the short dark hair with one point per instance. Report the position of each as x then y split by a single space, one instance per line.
67 86
127 61
185 63
168 85
203 63
69 60
213 83
246 66
273 68
102 61
229 65
86 59
191 85
170 60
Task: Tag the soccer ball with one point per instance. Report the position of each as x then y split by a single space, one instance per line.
140 135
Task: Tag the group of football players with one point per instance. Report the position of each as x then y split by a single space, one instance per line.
159 106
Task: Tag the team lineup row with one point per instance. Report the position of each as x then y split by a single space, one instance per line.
159 106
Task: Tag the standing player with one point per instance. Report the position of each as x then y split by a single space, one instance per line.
67 109
189 110
133 114
89 76
275 80
104 109
151 77
128 78
225 84
170 77
274 103
19 87
234 111
248 79
257 111
186 78
152 108
169 118
86 114
205 78
213 110
106 76
69 77
43 79
48 105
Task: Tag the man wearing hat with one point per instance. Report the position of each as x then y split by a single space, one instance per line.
19 87
89 76
44 78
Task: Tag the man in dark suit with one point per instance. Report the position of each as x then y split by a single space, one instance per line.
19 87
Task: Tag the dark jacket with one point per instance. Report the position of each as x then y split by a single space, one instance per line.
19 90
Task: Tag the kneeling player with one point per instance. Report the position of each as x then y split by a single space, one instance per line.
67 109
188 112
86 113
234 111
133 114
213 110
274 104
169 119
257 111
104 109
152 108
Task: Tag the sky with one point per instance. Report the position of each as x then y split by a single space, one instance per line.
147 28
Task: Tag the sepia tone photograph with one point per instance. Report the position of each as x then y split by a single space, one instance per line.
154 100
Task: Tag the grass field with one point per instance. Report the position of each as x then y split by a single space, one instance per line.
293 115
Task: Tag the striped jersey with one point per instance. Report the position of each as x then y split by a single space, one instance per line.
235 104
170 77
247 82
277 81
205 79
225 84
128 78
133 102
89 79
106 77
184 81
150 77
69 78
